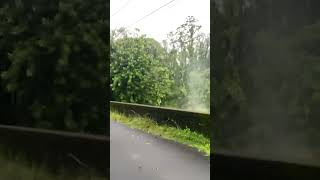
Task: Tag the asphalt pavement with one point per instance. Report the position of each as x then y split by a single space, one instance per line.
135 155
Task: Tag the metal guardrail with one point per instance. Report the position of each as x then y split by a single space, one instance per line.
196 121
58 148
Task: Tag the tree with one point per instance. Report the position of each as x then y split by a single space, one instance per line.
188 58
137 72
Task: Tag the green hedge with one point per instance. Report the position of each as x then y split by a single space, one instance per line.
53 58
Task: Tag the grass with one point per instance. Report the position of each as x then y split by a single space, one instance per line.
17 168
184 136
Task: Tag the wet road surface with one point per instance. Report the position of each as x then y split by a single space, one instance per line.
138 156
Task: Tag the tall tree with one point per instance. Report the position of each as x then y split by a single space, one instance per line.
188 51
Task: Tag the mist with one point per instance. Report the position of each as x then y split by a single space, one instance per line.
199 85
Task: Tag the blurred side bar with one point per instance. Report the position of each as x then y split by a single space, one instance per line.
73 151
225 165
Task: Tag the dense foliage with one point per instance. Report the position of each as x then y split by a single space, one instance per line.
137 74
53 62
266 69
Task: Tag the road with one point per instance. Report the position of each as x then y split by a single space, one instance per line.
139 156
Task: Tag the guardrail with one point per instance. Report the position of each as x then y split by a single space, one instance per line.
199 122
74 151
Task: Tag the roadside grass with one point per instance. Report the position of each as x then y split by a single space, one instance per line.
16 167
145 124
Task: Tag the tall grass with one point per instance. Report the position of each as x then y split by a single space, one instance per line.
184 136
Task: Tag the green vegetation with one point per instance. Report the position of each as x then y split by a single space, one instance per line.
184 136
136 67
173 73
53 64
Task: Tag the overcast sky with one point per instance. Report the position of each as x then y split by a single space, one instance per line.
125 12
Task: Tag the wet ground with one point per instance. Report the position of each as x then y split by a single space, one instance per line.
136 155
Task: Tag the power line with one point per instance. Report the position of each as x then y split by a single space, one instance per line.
150 13
123 6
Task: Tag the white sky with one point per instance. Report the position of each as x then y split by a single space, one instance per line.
160 23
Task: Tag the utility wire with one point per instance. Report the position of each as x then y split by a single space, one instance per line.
150 13
123 6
